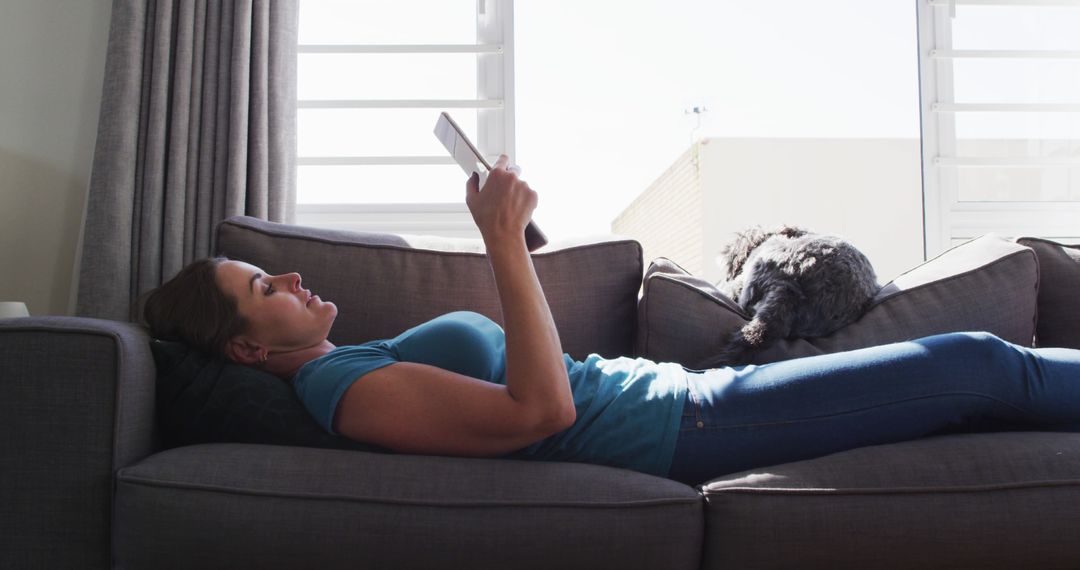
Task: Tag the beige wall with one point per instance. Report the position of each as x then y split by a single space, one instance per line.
866 190
666 218
52 61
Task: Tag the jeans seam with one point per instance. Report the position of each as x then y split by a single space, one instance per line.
697 409
856 410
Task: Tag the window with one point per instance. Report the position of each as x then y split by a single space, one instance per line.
597 100
1000 91
605 97
373 77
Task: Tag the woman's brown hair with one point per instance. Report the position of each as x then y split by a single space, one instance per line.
191 308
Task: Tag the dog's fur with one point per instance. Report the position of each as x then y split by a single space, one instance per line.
793 283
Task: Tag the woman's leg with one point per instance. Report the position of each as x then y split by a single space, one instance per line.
755 416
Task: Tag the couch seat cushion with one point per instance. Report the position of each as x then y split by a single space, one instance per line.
211 505
988 284
986 500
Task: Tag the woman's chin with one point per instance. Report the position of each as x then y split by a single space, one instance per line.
331 309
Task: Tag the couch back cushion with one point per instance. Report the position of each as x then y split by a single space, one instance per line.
988 284
1059 292
385 283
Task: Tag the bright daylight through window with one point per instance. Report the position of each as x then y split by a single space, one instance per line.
677 123
373 76
1001 113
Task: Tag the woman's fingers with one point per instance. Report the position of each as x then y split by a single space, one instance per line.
505 204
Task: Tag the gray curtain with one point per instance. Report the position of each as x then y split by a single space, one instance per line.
198 123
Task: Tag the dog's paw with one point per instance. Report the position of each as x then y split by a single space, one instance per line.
754 332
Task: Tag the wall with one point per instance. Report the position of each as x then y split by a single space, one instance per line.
866 190
666 217
52 62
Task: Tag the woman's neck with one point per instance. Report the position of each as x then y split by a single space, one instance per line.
285 364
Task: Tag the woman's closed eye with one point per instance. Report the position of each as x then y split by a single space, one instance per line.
269 290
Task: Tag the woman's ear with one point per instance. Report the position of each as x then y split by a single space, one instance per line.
241 350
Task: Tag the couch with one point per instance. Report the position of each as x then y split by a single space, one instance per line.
90 481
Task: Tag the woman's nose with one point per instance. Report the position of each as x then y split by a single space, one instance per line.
289 281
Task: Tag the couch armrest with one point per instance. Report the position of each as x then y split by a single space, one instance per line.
77 405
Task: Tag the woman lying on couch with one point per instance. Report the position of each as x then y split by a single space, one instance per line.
461 385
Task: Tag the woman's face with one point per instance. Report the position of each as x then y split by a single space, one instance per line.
281 314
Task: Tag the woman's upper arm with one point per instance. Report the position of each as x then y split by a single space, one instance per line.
417 408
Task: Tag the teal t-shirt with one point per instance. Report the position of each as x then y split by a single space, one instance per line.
628 410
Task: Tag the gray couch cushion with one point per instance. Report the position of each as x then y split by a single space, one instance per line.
209 506
384 284
1059 292
1001 500
681 317
988 284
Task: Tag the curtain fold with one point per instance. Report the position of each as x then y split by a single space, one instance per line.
198 123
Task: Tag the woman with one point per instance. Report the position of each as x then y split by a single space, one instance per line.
460 385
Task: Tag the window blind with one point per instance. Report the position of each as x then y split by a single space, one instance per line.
373 77
1000 102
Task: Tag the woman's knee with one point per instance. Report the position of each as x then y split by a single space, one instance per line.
976 363
978 346
984 339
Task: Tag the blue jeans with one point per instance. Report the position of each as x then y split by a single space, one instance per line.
760 415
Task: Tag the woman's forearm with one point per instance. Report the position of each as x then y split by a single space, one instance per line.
535 371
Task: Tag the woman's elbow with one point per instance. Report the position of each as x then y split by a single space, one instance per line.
559 422
570 418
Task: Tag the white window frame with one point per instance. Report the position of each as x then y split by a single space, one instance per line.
945 217
495 130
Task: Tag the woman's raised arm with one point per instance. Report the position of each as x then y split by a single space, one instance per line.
535 371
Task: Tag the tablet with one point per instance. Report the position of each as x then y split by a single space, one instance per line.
468 157
461 149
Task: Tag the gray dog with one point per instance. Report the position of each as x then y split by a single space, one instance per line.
793 283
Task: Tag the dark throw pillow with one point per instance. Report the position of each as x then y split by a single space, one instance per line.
208 400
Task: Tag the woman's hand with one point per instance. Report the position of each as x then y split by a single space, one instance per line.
504 207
